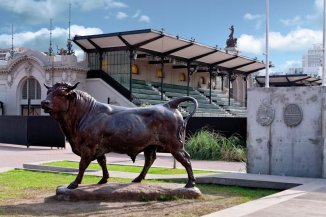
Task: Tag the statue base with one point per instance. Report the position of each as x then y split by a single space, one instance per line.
232 50
127 191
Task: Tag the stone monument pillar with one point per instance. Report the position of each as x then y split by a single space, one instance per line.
286 131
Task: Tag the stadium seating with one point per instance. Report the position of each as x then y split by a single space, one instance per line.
150 94
234 108
204 106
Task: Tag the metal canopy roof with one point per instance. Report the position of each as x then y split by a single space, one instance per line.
289 80
161 44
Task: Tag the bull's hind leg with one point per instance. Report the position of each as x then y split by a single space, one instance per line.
150 156
183 157
102 162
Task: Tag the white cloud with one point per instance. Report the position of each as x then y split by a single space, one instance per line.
36 11
291 22
257 18
249 16
250 44
79 54
319 5
81 30
39 40
136 15
144 18
88 5
121 15
318 14
284 67
32 11
298 40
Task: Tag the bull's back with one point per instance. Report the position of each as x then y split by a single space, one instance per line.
134 129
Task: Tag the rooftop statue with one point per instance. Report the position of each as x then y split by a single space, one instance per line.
94 129
231 42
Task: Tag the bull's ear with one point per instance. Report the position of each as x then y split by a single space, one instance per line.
47 87
72 95
73 87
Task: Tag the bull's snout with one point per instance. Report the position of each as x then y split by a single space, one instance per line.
45 104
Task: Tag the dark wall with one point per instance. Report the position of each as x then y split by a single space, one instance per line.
223 125
13 130
31 131
44 131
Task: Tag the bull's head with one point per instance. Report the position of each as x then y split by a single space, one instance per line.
58 98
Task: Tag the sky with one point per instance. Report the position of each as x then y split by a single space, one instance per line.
295 25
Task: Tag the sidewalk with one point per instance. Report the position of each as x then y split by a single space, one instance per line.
306 200
15 156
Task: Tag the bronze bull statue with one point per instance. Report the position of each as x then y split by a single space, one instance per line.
94 129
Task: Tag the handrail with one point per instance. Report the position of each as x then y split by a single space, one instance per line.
111 81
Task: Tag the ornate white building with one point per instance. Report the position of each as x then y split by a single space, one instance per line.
22 78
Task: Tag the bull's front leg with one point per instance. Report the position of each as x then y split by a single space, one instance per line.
83 164
102 162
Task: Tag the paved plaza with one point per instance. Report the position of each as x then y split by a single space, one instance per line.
306 200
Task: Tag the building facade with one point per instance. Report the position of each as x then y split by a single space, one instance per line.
23 76
312 62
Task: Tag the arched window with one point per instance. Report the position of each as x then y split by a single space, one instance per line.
202 80
31 89
134 69
182 77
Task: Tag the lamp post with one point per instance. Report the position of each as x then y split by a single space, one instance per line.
324 46
266 51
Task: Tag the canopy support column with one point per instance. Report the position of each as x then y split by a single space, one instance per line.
162 70
210 85
229 88
188 79
100 60
246 88
131 57
1 106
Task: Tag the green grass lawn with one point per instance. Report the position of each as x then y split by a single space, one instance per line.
126 168
21 184
31 193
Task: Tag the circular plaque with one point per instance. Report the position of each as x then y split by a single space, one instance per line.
265 114
292 115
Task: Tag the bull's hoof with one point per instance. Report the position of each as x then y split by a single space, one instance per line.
190 185
137 180
103 181
72 185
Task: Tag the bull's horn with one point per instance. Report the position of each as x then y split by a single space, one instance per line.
47 87
73 87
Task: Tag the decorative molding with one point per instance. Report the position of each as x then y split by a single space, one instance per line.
292 115
47 78
265 114
10 80
28 68
64 76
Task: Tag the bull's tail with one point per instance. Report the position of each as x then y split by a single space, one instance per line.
174 104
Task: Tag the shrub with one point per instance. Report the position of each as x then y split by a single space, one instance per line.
208 145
